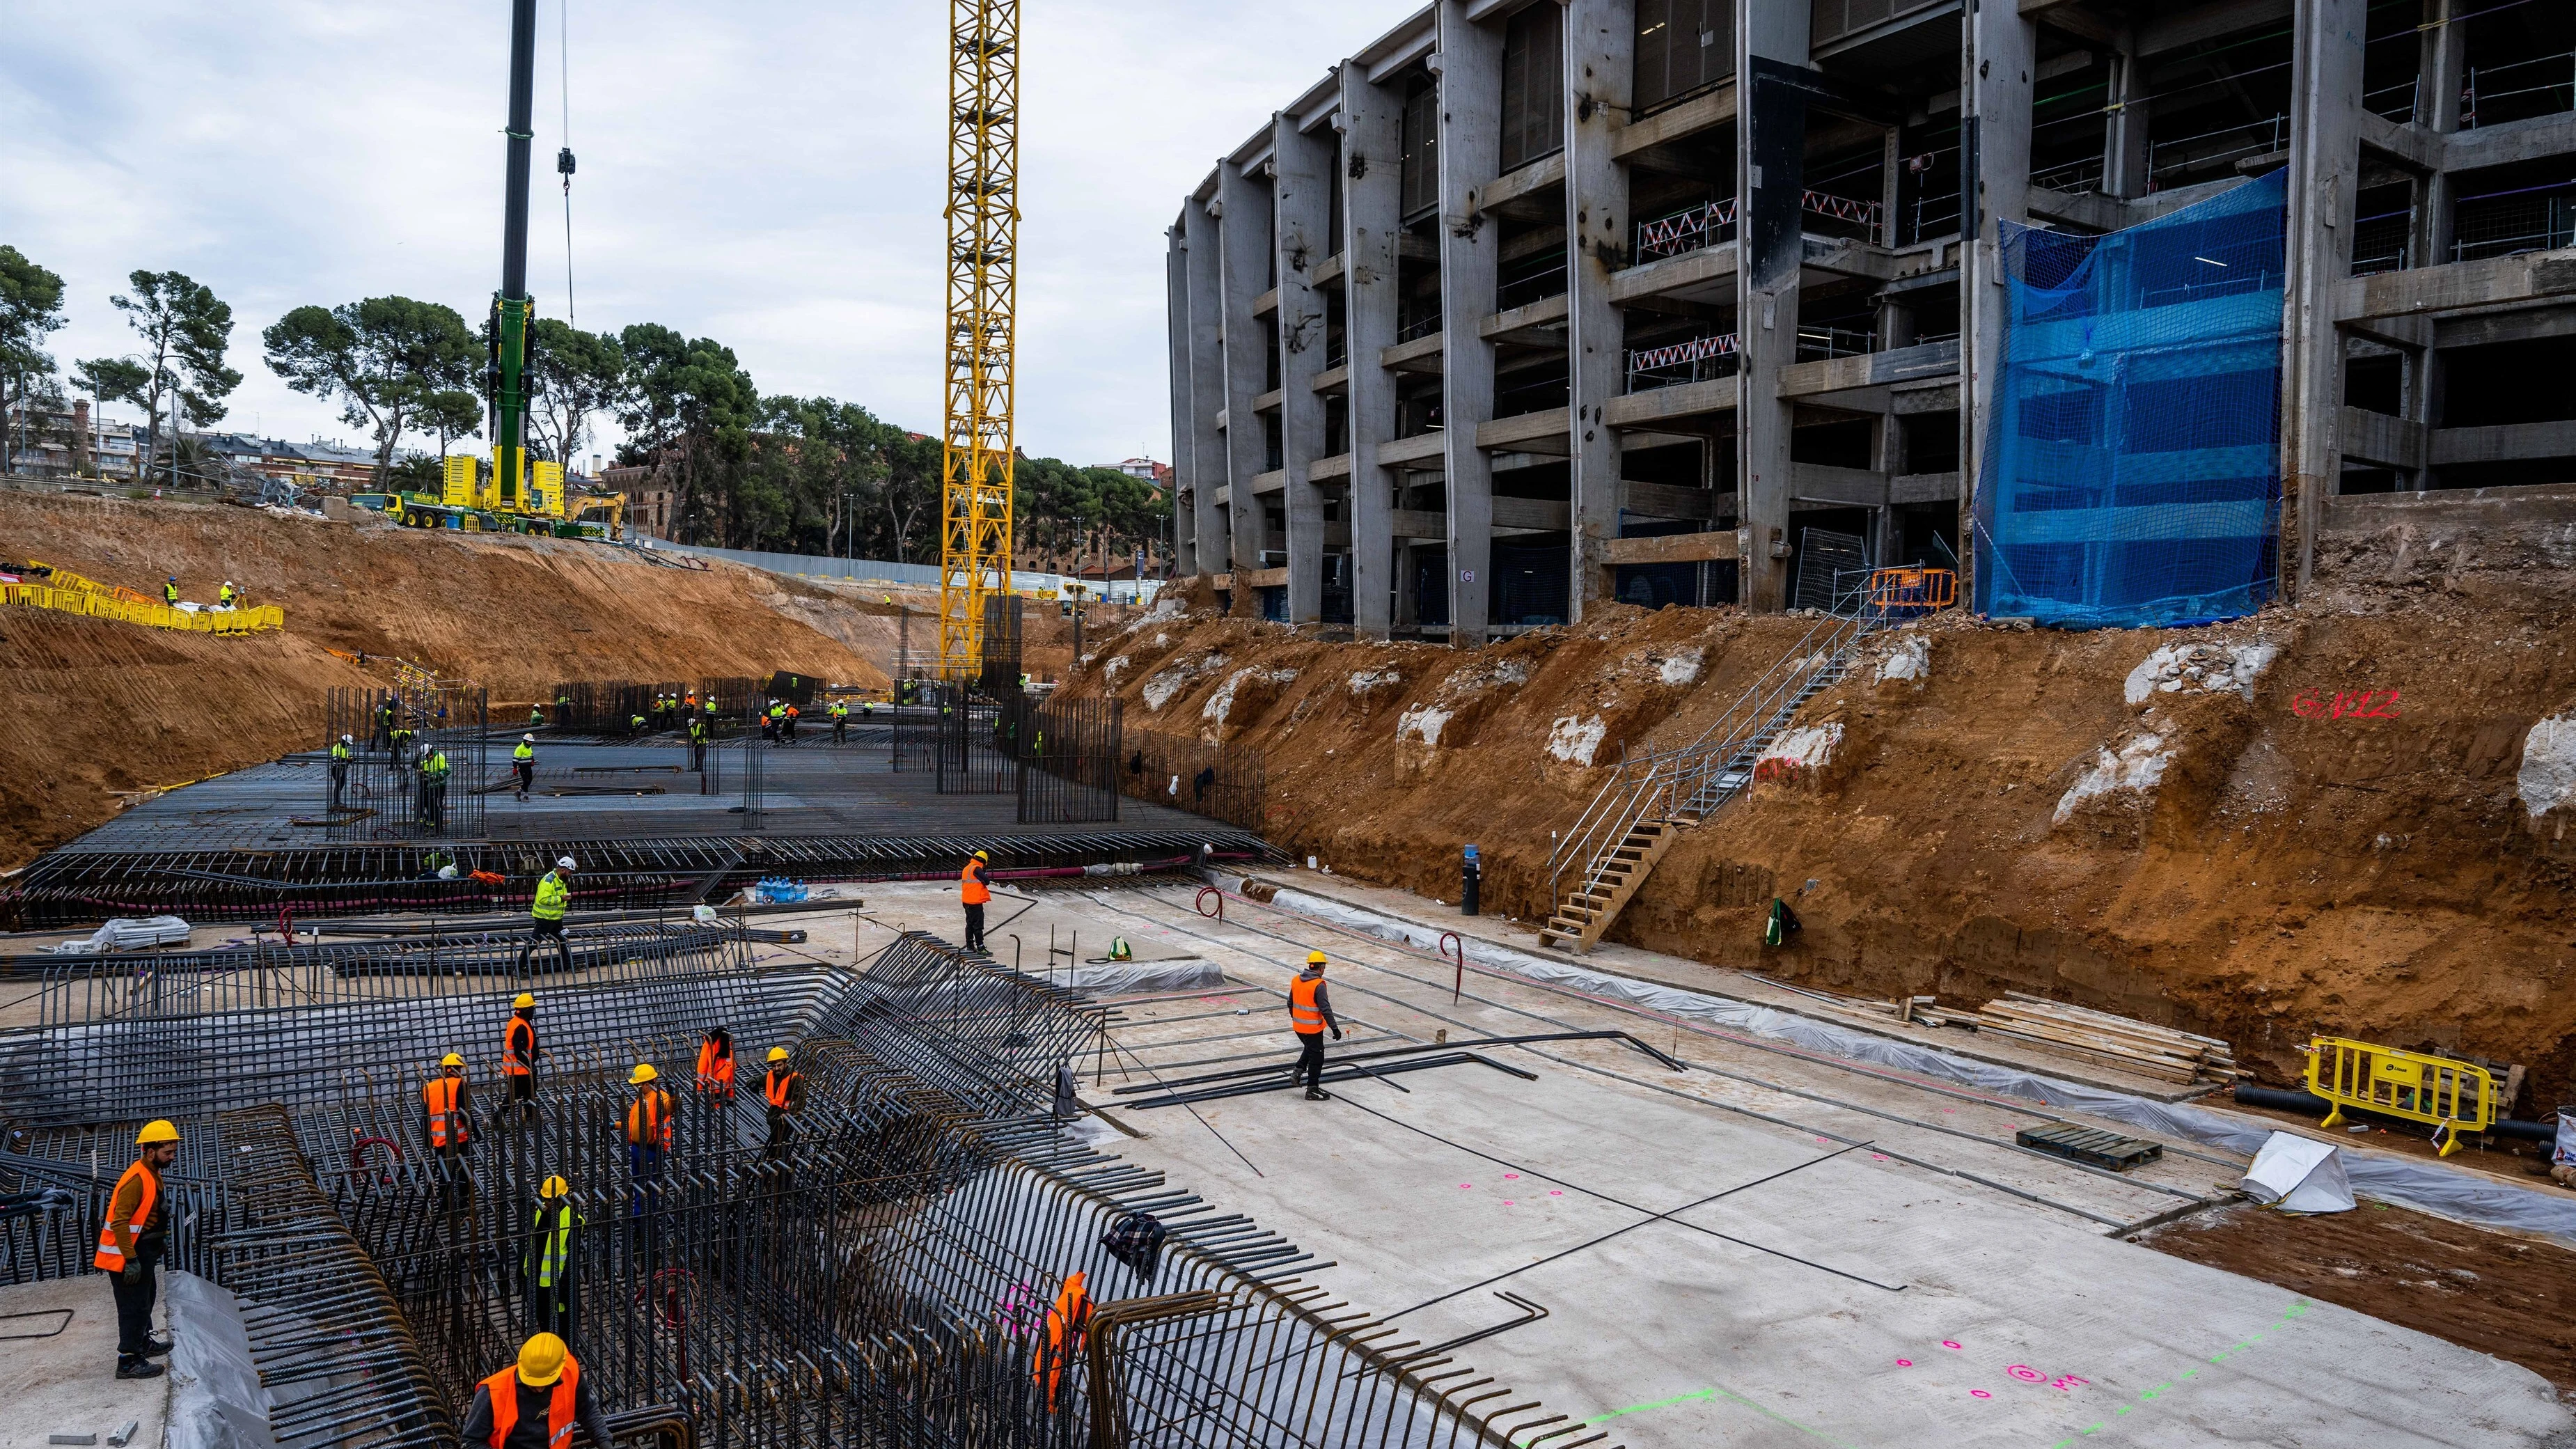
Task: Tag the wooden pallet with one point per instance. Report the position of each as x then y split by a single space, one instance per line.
2090 1145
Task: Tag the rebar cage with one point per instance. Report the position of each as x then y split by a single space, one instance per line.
884 1272
417 765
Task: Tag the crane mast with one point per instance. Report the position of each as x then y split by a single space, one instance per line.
983 236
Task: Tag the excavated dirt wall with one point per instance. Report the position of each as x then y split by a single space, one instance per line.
91 706
2318 827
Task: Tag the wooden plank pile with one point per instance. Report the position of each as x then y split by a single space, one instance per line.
2103 1039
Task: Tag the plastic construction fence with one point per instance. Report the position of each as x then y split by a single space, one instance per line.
2132 456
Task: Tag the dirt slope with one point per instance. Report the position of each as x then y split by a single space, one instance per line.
2239 855
89 706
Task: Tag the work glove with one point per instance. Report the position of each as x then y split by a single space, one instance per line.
132 1272
1337 1033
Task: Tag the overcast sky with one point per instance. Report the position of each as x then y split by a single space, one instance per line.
766 174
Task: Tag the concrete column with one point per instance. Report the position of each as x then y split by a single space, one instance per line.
1994 184
1600 71
1209 469
2124 132
2325 139
1470 70
1176 286
1770 156
1244 259
1371 121
2437 107
1302 171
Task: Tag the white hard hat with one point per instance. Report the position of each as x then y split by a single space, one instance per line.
348 739
529 737
565 862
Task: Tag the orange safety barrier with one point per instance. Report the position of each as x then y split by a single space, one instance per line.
1910 589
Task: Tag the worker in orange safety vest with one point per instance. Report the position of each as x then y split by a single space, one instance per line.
715 1064
1066 1324
1310 1013
446 1120
534 1403
974 889
519 1058
129 1248
783 1088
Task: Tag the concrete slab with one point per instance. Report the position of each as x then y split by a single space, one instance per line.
1765 1249
66 1383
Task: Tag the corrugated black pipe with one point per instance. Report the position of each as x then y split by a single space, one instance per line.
2316 1106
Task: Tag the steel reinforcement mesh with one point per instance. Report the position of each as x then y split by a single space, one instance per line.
2132 468
880 1277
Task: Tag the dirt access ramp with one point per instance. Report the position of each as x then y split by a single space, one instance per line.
2307 821
92 706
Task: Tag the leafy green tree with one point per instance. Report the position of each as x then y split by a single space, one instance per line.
689 407
448 415
573 376
384 359
185 329
31 309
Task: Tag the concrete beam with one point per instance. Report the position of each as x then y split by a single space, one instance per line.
2378 438
1703 112
1326 469
2494 281
1542 432
2506 444
1528 181
1411 356
1671 548
1418 448
1662 406
1470 64
1870 369
1705 275
1668 500
1418 523
1536 515
1818 483
1923 487
2534 139
2486 328
1543 319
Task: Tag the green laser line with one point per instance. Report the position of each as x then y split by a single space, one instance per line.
1719 1392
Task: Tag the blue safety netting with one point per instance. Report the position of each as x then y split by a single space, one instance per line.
2132 468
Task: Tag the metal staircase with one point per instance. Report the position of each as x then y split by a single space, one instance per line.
1598 864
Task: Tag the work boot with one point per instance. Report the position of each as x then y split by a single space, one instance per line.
138 1368
1318 1094
156 1348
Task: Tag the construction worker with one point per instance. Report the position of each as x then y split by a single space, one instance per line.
130 1242
769 723
635 725
840 723
384 734
974 889
787 726
1067 1321
524 760
546 915
698 743
783 1088
648 1146
536 716
715 1064
519 1055
553 1254
169 596
224 596
433 788
535 1404
340 753
446 1122
563 710
689 701
1310 1012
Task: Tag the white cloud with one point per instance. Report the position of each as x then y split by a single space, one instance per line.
769 176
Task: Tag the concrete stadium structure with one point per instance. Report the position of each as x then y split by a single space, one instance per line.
1528 306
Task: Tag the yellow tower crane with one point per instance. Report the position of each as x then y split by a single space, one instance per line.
983 236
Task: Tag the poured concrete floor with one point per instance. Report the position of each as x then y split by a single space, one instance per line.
1767 1248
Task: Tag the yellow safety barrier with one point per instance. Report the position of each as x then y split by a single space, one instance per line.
100 605
2453 1096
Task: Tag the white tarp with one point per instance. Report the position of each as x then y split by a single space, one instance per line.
2424 1186
127 934
216 1400
2299 1175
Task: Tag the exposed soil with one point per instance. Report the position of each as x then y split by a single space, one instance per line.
2497 1295
90 706
2256 867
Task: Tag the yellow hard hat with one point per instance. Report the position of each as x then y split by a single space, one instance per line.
541 1360
979 855
522 999
157 1130
553 1186
643 1073
1314 958
451 1060
778 1054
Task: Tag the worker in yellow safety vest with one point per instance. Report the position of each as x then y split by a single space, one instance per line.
974 889
130 1244
340 752
546 916
553 1257
840 723
170 592
535 1403
524 761
224 596
1310 1013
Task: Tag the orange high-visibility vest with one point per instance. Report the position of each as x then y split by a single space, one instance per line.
715 1073
1066 1323
110 1257
971 889
518 1045
1303 1013
447 1126
503 1388
648 1122
775 1085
